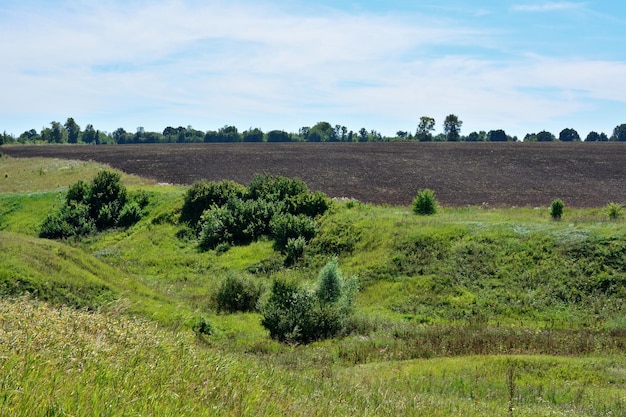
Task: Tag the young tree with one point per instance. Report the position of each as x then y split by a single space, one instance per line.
425 202
425 129
452 128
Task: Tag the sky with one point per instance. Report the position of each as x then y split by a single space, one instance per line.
519 65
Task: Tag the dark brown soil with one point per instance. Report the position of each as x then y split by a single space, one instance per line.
498 174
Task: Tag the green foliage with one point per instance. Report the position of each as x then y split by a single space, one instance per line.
237 293
203 195
287 226
329 283
270 205
296 315
73 219
202 328
614 210
237 222
294 250
556 209
94 207
275 188
425 202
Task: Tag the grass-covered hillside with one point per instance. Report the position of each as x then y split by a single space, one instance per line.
470 311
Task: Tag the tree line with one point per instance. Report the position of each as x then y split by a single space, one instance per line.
70 132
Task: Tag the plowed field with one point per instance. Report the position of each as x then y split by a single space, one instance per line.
498 174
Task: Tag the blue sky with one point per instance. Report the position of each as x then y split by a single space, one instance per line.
518 65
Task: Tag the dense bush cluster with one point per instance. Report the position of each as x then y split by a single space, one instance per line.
297 315
89 208
227 213
237 293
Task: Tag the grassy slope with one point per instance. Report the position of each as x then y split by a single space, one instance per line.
166 278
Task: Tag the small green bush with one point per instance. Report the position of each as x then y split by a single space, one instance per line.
425 202
309 204
556 209
275 187
72 220
203 195
294 250
296 315
94 207
288 226
614 210
237 293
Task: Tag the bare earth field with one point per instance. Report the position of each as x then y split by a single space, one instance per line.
498 174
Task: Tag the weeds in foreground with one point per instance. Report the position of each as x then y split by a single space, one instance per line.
60 361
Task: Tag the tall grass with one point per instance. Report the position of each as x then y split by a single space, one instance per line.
60 361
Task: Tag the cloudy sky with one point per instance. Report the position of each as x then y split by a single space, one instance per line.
518 65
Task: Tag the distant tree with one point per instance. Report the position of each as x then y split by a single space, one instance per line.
619 133
90 135
530 137
252 135
425 129
303 133
545 136
400 134
229 134
29 136
452 128
569 135
119 135
322 132
57 133
344 133
593 137
73 130
278 136
363 135
497 136
211 136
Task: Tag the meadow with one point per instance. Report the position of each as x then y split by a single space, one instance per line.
473 311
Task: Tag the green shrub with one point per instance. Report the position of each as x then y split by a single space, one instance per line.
202 328
237 222
556 209
288 226
72 220
203 195
275 187
78 193
106 198
215 227
90 207
294 250
425 202
614 210
288 313
309 204
296 315
237 293
329 283
130 214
